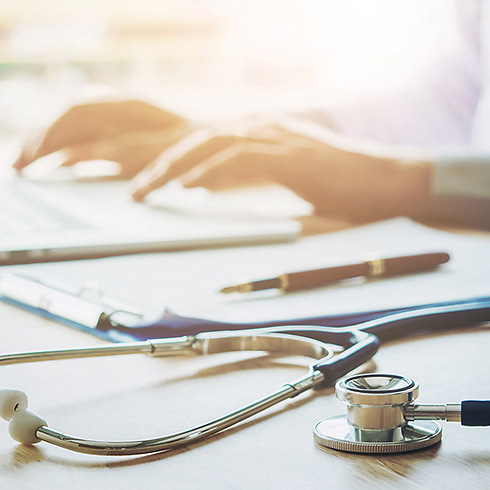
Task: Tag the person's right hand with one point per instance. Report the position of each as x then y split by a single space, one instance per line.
132 133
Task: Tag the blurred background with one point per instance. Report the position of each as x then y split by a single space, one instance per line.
209 58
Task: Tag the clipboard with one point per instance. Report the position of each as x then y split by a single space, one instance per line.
89 310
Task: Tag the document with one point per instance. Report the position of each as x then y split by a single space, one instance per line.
188 282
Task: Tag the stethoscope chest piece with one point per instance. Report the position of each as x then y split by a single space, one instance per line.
376 420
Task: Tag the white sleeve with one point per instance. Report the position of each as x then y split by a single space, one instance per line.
461 189
465 175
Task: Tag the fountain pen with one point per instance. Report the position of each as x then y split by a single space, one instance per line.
373 268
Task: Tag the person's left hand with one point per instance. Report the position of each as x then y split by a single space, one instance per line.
216 160
332 173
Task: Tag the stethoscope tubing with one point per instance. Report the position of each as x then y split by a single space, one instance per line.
171 441
171 325
360 342
398 325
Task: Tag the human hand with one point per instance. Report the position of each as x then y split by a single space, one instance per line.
131 133
333 175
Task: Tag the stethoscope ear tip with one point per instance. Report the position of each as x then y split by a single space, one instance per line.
23 424
11 401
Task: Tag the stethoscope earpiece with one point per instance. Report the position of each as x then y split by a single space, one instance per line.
380 416
11 401
23 424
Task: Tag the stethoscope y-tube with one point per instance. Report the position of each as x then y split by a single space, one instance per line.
359 343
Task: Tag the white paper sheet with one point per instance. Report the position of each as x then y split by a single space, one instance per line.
188 282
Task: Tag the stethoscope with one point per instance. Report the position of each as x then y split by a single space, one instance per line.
381 417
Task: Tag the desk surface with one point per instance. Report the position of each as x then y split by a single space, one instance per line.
136 396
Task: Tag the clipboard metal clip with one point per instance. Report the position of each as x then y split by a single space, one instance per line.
86 306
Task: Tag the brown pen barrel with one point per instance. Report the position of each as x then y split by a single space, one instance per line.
322 277
371 268
409 264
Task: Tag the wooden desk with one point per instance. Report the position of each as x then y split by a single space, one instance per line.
135 397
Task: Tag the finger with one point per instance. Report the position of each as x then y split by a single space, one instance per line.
21 162
99 150
104 120
236 167
132 151
81 153
182 157
29 152
91 122
186 155
79 124
58 137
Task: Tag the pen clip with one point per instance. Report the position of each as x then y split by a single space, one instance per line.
62 302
